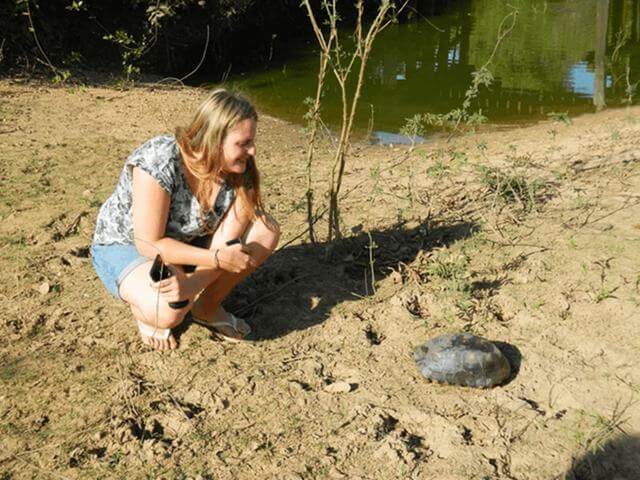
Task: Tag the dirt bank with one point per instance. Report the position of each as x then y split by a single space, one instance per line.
528 237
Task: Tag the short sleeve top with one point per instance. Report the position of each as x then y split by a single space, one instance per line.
160 158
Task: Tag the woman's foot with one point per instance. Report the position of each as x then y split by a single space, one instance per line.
226 325
157 338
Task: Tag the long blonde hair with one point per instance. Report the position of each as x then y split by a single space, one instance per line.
201 142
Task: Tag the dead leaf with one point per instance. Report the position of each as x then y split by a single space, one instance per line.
315 301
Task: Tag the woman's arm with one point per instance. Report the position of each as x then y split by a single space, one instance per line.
150 205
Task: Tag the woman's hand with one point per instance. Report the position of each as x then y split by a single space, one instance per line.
235 258
177 287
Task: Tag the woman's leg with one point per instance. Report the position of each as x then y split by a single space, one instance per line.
149 308
261 238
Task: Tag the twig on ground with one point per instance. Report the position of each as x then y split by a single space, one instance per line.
73 225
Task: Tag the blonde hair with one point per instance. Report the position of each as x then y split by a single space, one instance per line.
201 142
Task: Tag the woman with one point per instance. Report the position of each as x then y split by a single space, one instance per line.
185 197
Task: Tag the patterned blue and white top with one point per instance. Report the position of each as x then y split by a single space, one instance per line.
160 158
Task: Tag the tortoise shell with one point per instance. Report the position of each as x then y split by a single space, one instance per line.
462 359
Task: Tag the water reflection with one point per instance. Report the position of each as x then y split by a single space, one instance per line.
581 80
562 56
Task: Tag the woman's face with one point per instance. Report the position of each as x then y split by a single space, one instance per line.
238 146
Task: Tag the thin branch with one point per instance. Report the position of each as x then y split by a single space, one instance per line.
35 37
204 54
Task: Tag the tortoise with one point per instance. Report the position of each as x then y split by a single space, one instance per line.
462 359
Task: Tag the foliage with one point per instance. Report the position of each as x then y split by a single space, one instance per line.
482 77
560 117
413 127
157 35
463 115
512 187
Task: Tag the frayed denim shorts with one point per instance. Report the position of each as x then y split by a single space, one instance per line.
113 263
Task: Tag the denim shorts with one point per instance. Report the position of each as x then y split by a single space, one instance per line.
113 263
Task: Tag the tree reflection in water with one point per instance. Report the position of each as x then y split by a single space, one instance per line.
562 56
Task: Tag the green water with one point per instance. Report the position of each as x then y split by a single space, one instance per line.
549 63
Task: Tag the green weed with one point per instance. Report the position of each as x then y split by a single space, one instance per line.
603 428
19 240
459 158
561 175
603 293
61 77
537 304
560 117
512 188
451 268
438 169
413 127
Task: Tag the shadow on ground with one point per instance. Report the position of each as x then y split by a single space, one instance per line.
618 459
297 288
514 356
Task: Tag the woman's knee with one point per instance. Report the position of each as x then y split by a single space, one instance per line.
269 231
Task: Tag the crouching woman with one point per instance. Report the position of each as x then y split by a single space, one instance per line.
194 199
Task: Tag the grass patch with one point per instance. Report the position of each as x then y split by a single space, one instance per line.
601 428
438 170
512 188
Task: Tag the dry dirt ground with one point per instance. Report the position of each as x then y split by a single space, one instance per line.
528 237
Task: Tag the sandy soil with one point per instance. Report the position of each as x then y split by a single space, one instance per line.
527 237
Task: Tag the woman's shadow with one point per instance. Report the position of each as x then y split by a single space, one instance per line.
297 288
617 459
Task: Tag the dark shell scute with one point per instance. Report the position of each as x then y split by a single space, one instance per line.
462 359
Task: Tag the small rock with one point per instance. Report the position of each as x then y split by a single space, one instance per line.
44 288
40 422
338 387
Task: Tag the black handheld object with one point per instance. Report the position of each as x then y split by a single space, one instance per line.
159 271
233 241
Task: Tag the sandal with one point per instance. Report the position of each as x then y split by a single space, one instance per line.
150 332
233 330
153 332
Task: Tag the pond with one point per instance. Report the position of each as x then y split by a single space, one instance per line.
561 56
